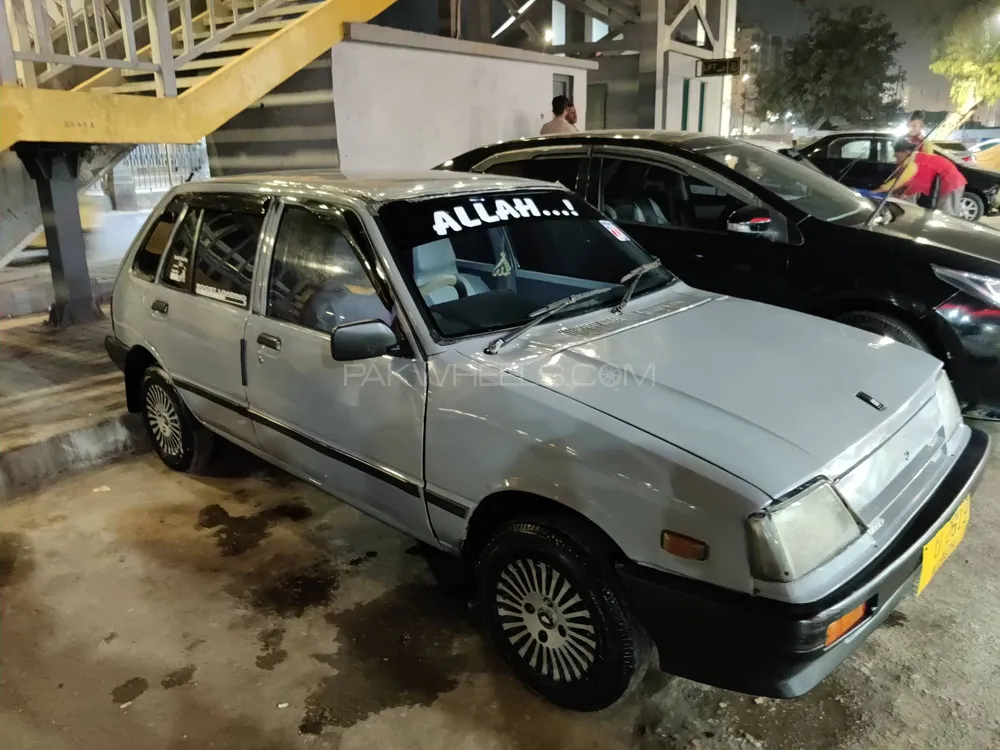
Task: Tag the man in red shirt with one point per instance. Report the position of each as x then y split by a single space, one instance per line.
920 171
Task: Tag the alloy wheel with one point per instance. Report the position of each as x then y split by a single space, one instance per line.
546 620
164 421
969 210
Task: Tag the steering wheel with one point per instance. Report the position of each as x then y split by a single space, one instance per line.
440 282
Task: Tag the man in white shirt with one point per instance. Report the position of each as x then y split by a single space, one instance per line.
561 106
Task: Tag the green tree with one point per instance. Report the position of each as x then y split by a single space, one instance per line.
969 57
845 66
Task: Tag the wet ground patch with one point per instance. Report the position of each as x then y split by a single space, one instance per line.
407 645
236 535
178 677
16 561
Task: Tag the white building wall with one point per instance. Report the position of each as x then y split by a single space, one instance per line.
402 108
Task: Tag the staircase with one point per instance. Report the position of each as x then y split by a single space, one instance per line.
143 71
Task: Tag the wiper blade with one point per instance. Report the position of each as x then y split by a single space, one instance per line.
541 314
635 275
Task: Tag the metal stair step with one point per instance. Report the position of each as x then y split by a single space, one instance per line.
203 63
293 8
146 87
240 43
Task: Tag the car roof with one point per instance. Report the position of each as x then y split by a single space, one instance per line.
378 188
671 137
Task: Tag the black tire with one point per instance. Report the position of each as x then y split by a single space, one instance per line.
550 581
178 439
885 325
972 201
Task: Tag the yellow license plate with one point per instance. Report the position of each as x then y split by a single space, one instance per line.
937 550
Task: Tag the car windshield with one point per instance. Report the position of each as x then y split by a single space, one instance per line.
485 262
807 189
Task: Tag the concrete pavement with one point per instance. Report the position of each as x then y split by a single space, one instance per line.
246 611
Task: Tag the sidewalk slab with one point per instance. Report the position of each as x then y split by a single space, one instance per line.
62 404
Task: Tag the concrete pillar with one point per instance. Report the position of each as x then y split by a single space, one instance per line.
652 50
54 169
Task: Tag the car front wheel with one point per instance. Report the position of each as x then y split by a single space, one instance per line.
885 325
177 437
971 207
555 612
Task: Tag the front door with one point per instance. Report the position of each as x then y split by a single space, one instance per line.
354 428
680 216
200 303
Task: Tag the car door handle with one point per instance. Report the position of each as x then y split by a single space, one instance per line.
160 307
271 342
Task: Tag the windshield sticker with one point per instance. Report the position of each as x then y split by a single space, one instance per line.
610 226
502 268
221 294
485 211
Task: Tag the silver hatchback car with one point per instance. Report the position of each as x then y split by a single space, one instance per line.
620 460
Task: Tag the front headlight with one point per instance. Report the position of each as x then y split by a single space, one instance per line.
951 412
985 288
796 536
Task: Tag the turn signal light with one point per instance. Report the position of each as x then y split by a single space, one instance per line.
683 546
843 625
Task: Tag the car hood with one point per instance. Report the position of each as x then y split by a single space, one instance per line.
947 240
767 394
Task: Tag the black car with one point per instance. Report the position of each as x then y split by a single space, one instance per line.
731 217
866 160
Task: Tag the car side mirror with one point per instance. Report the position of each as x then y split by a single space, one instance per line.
750 220
363 339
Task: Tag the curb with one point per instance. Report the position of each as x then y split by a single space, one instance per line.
34 467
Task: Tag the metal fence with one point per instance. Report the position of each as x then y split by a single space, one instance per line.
157 167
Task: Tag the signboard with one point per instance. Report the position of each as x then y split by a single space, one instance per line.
729 66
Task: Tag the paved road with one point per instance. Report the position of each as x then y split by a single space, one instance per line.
246 611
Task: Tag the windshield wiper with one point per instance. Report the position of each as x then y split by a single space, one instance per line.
541 314
635 275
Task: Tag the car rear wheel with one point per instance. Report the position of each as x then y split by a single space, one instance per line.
885 325
971 207
177 437
554 609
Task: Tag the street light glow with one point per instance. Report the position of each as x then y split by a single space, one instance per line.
746 77
548 35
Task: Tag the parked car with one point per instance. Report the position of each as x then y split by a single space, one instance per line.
751 489
866 160
733 218
955 150
987 154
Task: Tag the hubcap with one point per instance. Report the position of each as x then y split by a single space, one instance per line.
545 620
969 209
164 422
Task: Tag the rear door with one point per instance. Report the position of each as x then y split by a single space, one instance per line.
354 428
857 161
201 303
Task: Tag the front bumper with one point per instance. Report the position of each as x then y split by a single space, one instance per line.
765 647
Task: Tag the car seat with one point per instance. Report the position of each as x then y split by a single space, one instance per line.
436 259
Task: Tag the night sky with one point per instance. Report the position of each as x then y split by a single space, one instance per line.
909 18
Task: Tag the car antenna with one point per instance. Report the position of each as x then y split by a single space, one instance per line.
899 173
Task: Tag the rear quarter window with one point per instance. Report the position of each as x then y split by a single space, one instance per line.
154 243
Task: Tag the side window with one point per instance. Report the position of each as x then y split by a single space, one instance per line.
639 193
564 170
176 271
147 257
227 251
850 148
886 151
317 279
